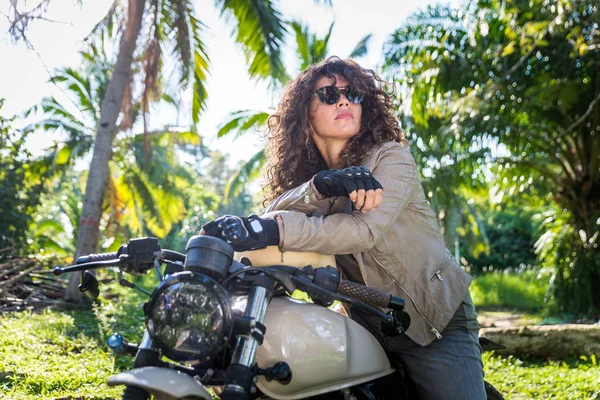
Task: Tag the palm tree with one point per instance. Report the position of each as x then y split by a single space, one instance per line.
310 49
146 187
168 25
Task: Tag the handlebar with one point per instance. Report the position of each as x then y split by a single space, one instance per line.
367 294
323 284
97 257
370 295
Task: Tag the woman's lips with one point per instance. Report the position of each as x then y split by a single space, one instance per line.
344 115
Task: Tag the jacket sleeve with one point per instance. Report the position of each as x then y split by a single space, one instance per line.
304 198
395 169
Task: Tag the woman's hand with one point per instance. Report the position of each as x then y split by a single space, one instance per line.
244 233
356 183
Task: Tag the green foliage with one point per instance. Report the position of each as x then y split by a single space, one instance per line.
249 171
310 49
523 75
517 379
511 234
172 31
205 202
55 228
145 193
260 30
524 289
20 189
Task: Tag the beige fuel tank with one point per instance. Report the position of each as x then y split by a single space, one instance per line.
325 350
273 256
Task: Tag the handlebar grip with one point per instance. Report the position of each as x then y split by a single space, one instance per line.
96 257
369 295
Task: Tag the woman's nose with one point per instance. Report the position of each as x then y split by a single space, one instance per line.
343 101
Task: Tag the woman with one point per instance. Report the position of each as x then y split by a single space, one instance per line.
334 145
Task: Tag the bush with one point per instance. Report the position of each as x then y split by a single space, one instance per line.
524 289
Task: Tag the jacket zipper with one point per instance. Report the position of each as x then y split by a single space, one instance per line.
438 275
433 330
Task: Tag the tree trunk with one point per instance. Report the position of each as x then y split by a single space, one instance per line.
548 341
452 222
89 234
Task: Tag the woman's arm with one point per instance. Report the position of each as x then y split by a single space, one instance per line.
395 169
304 198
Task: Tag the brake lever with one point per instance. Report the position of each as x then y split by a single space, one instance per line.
91 265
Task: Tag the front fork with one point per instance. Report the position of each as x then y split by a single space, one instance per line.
239 382
147 355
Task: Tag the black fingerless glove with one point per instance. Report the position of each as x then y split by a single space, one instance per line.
244 233
342 182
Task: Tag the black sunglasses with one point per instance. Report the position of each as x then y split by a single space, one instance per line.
331 94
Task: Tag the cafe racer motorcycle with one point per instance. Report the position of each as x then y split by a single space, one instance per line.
224 320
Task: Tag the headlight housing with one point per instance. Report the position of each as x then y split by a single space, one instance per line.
189 317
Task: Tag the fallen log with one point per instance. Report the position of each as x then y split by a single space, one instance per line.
546 341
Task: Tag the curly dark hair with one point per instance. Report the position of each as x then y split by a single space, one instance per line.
292 155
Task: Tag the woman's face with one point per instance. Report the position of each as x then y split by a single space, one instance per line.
334 122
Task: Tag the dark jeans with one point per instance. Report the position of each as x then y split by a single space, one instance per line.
448 368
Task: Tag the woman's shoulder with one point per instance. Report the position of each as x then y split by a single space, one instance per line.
387 149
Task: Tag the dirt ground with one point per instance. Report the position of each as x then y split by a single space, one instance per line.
506 319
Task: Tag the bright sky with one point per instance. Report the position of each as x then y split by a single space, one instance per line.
24 74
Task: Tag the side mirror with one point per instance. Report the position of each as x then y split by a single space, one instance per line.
89 285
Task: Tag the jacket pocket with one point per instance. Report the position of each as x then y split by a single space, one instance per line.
439 273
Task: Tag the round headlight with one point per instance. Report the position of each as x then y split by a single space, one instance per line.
189 316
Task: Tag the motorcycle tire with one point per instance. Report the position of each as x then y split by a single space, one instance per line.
491 392
135 393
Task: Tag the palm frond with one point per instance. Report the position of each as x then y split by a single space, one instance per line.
47 224
181 36
248 171
302 43
152 61
79 85
260 30
200 66
362 47
51 107
176 22
242 121
107 24
178 137
319 47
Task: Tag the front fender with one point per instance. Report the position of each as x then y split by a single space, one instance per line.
163 383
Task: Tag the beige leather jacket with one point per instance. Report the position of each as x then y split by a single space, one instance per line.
397 248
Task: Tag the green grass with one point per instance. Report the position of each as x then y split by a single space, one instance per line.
516 379
53 355
523 290
62 355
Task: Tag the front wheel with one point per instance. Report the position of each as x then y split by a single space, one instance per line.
135 393
491 392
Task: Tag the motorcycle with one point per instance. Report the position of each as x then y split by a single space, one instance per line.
225 320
